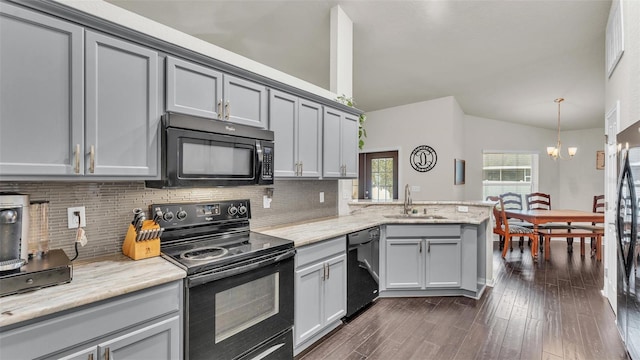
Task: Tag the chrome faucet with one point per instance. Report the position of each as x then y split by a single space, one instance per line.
407 199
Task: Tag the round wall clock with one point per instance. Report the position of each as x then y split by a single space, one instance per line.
423 158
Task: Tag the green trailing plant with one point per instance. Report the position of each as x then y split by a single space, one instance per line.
362 132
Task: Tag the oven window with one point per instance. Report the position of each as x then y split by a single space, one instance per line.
246 305
212 159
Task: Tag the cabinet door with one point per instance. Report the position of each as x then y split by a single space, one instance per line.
349 146
193 89
283 119
309 289
404 260
331 162
309 137
122 108
157 341
443 263
41 93
245 102
335 292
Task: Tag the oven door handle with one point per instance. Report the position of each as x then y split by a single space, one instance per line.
236 270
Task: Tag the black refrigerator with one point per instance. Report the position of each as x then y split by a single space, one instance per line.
628 246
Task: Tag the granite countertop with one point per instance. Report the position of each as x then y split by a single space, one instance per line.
361 202
93 280
309 232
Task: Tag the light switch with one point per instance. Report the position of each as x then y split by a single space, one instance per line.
321 196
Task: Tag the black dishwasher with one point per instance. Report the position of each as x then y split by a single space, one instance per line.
362 268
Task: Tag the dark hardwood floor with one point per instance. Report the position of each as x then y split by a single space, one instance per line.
536 310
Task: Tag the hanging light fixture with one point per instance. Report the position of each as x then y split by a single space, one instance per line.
555 151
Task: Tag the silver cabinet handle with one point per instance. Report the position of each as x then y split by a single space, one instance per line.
227 110
77 159
301 167
328 271
428 246
92 159
220 109
324 272
420 247
297 168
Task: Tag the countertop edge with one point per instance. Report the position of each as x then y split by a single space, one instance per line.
92 281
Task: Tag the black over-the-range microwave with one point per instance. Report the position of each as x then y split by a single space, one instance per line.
200 152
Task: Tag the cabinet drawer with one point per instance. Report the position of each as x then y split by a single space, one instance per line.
318 251
423 230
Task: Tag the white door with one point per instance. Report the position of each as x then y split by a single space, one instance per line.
610 183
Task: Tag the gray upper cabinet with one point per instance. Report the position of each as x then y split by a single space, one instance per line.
41 93
340 139
50 71
122 117
193 89
296 124
202 91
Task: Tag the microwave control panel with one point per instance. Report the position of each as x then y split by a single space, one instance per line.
267 164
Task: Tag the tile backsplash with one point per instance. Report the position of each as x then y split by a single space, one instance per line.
109 206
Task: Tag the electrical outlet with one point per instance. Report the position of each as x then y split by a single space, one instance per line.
321 196
463 209
72 218
415 188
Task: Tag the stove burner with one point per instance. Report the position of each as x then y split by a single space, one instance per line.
207 253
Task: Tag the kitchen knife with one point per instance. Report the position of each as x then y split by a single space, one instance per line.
157 216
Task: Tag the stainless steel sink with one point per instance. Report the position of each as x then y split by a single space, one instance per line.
414 216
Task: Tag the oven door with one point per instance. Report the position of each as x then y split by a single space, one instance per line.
234 310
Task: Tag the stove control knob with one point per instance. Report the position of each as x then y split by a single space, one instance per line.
181 215
232 210
168 216
242 210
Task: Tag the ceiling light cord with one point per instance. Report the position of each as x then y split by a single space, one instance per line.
556 152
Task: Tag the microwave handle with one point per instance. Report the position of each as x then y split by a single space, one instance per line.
260 159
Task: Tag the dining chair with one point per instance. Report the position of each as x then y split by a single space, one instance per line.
538 200
598 206
542 201
503 228
513 201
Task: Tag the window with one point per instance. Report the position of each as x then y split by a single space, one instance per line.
378 176
509 172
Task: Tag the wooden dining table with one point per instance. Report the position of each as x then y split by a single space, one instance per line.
539 217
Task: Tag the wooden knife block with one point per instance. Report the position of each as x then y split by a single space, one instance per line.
144 248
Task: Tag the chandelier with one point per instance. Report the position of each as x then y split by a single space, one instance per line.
555 151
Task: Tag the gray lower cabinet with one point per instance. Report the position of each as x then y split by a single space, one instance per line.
41 93
433 259
320 290
74 102
202 91
142 325
340 140
297 125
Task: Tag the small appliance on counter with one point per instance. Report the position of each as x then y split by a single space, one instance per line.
21 270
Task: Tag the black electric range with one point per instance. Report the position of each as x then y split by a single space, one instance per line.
204 236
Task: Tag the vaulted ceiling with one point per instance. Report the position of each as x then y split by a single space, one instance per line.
503 60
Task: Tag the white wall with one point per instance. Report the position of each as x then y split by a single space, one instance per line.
571 183
580 180
436 123
624 83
